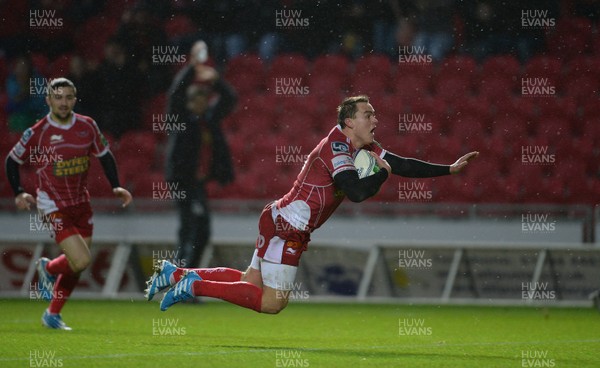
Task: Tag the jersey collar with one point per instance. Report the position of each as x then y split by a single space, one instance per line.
61 126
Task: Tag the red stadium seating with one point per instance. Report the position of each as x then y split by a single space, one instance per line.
496 87
462 66
60 66
373 67
412 86
288 66
546 68
453 87
336 66
179 26
501 65
246 73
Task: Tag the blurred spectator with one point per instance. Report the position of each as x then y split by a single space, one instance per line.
87 82
26 90
119 91
386 17
190 100
51 27
226 25
587 8
141 32
487 28
354 31
496 28
14 29
434 27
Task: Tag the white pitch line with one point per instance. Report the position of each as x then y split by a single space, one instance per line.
245 351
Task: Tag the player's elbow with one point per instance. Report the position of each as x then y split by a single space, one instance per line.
357 197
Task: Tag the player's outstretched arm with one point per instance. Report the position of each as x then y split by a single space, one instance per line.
460 164
413 168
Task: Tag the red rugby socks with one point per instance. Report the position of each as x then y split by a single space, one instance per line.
59 265
223 274
241 293
63 287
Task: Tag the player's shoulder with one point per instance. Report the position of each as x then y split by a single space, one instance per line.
336 143
35 129
83 119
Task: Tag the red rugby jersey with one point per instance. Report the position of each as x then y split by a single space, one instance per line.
314 197
62 156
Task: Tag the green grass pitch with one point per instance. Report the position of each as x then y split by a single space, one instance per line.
138 334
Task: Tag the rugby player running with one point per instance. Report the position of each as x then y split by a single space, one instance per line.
61 145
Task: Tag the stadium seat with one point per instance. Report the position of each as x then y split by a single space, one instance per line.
412 86
138 146
563 107
496 87
467 129
179 26
554 128
336 66
246 73
40 63
511 125
462 66
523 107
153 109
453 87
291 65
323 85
60 66
506 66
424 70
475 106
375 88
148 185
582 88
373 67
545 67
102 27
581 66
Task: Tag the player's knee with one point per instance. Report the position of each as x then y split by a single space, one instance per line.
273 308
80 264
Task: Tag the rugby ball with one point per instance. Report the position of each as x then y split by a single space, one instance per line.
365 164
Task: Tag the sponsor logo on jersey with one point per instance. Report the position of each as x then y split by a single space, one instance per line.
339 147
56 138
19 150
83 134
292 247
341 160
74 166
26 136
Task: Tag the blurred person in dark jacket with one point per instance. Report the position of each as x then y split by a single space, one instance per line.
201 99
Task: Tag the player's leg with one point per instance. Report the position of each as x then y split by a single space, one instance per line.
74 237
76 251
264 289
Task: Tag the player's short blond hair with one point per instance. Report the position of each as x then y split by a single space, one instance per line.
348 109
